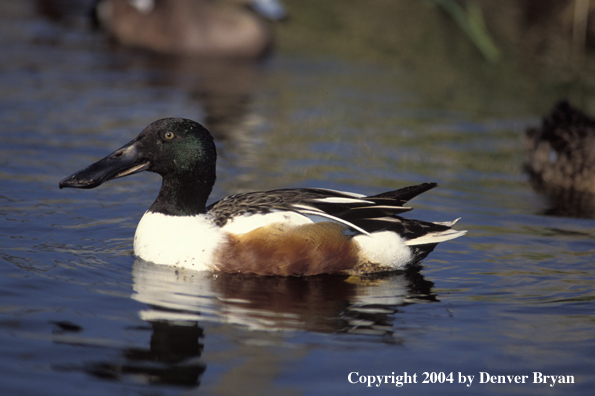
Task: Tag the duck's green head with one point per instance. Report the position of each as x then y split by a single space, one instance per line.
182 151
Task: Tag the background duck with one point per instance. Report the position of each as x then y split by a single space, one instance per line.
227 28
561 153
561 160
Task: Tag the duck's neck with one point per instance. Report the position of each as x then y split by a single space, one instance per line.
181 197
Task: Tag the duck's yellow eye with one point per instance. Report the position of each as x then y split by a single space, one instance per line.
169 135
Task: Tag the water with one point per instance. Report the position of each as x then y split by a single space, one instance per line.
80 316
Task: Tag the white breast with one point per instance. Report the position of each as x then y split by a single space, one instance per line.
186 241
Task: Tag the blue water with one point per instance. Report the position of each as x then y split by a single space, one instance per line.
79 315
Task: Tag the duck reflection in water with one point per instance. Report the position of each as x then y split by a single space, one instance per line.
181 302
184 306
172 358
323 303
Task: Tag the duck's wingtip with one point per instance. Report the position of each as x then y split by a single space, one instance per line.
436 237
448 223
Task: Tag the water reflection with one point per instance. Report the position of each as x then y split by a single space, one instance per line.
67 12
223 88
180 303
566 202
319 303
172 357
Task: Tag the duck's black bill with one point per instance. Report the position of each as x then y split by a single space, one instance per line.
122 162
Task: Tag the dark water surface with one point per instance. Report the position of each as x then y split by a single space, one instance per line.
80 316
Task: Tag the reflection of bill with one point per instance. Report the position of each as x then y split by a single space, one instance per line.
326 303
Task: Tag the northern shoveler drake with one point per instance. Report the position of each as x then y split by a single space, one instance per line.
225 28
303 231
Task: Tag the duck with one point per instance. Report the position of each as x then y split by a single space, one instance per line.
223 28
283 232
561 152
